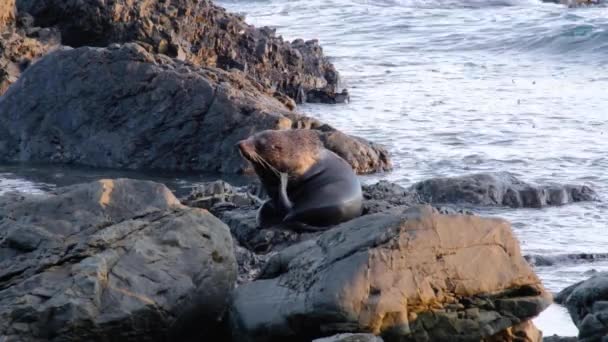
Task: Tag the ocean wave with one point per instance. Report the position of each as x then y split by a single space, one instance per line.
559 259
447 4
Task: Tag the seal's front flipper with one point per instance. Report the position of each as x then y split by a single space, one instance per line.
283 198
268 215
301 227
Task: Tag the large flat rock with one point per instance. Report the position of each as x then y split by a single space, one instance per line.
111 260
499 189
412 275
123 107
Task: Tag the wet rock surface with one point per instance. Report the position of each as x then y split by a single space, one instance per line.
123 107
198 32
587 303
500 189
111 260
350 338
556 338
574 258
409 275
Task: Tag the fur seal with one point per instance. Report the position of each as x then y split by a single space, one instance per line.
306 182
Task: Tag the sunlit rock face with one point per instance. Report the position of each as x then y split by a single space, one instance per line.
7 13
408 275
111 260
21 44
195 31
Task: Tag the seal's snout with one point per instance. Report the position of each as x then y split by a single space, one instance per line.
243 147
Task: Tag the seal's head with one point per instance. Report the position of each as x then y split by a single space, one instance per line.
291 151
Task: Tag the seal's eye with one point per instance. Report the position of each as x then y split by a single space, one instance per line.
276 147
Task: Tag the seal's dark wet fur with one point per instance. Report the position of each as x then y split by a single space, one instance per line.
322 189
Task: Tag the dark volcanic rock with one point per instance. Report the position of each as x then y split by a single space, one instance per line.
196 31
385 195
320 96
499 189
350 338
413 275
587 303
556 338
549 260
20 43
123 107
111 260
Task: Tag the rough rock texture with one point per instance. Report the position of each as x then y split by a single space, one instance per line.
499 189
123 107
385 195
556 338
196 31
350 338
20 43
7 13
574 258
522 332
587 303
111 260
408 275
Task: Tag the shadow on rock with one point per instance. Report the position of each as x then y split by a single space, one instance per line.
111 260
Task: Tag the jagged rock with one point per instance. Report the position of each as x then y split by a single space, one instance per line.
550 260
556 338
587 303
111 260
195 31
385 195
320 96
123 107
7 13
350 338
522 332
412 275
20 43
362 155
499 189
249 264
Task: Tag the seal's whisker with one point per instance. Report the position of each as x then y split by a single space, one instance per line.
267 164
270 167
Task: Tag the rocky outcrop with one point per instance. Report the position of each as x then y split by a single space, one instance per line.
587 303
407 275
7 13
21 43
556 338
111 260
385 195
558 259
198 32
350 338
499 189
123 107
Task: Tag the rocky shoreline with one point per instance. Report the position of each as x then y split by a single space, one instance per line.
173 85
